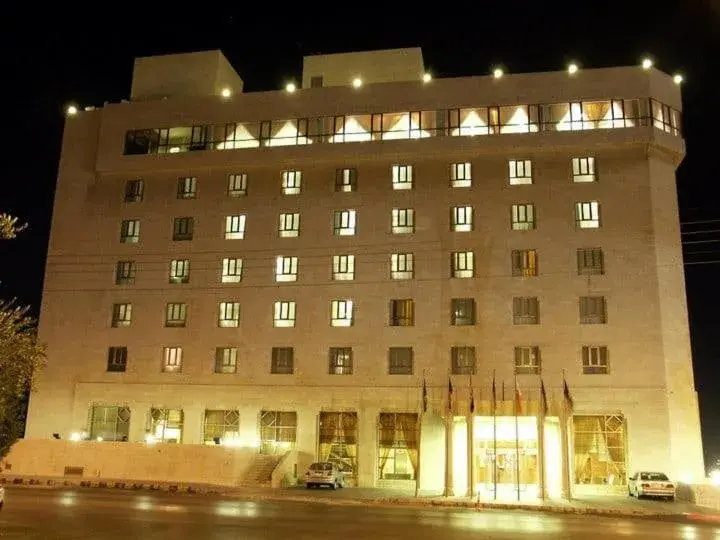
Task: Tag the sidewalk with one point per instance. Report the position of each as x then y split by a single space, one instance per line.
597 505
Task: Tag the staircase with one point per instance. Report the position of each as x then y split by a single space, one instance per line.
260 472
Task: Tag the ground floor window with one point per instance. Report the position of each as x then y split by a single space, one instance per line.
599 449
338 440
397 446
278 431
165 425
221 427
109 423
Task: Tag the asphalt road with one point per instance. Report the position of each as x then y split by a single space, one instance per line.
98 514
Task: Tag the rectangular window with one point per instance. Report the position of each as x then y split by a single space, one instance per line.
587 215
462 311
402 266
341 361
235 227
463 360
187 187
524 263
125 272
583 169
172 360
593 310
346 180
402 312
278 429
402 176
130 231
121 315
595 360
283 361
403 220
289 226
344 222
229 316
343 267
527 360
284 315
522 217
400 361
398 445
341 313
180 271
462 264
599 448
520 172
232 269
526 310
176 314
316 82
109 423
461 218
590 262
183 228
226 360
237 185
221 427
286 268
134 190
461 175
291 182
165 425
117 359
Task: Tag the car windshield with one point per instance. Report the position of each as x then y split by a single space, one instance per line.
653 476
321 467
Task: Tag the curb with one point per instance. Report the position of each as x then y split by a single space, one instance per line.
121 485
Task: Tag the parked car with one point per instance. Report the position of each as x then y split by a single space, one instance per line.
651 484
324 473
2 497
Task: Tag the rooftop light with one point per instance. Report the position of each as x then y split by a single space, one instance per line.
498 72
427 78
71 110
647 63
573 68
226 92
290 87
357 82
678 79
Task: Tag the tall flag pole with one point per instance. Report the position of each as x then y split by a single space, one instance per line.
541 438
423 410
518 405
450 396
568 406
494 412
471 440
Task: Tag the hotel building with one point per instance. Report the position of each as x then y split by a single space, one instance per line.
474 284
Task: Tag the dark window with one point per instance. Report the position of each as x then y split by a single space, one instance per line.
183 228
117 359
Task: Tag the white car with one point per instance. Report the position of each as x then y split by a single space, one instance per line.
324 473
2 497
651 484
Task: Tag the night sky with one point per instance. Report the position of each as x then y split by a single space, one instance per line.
86 55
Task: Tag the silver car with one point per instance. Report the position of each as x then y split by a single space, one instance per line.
651 484
324 473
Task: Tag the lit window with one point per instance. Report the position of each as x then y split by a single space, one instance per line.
402 177
226 360
346 180
289 226
520 172
524 263
527 360
180 271
403 220
284 316
583 169
121 315
344 222
130 231
291 182
237 185
343 267
286 268
134 190
341 361
526 310
461 218
402 312
587 215
231 270
463 360
341 313
595 360
522 217
463 264
229 316
462 312
166 425
235 227
187 187
172 359
461 175
176 314
183 228
402 266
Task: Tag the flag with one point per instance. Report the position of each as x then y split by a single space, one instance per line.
424 396
494 395
472 397
450 395
569 404
543 398
518 399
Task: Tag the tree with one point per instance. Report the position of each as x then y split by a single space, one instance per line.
20 356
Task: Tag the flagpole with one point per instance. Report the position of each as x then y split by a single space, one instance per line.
517 439
495 457
449 424
470 447
542 413
565 454
423 407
